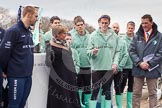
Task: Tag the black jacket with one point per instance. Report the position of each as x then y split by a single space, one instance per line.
2 31
62 79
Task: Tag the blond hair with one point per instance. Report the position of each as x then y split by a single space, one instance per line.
28 9
58 30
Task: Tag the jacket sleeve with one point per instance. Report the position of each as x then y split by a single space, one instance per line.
124 57
72 45
133 52
76 59
6 47
2 31
117 53
90 47
50 56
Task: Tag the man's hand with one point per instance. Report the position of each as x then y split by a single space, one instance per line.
114 68
144 65
95 50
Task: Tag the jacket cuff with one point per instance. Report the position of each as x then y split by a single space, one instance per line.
138 63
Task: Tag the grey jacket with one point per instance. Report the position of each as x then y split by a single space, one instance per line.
139 49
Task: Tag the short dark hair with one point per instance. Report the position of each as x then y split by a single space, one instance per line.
147 16
104 16
78 19
131 23
54 18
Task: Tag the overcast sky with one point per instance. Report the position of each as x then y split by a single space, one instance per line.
120 11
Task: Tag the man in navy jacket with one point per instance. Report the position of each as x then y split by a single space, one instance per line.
146 53
2 31
16 53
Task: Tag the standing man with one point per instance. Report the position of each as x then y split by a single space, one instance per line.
122 61
54 21
116 28
2 31
79 42
104 53
146 53
17 52
127 69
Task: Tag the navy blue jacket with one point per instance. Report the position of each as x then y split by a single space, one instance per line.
2 31
16 51
139 49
